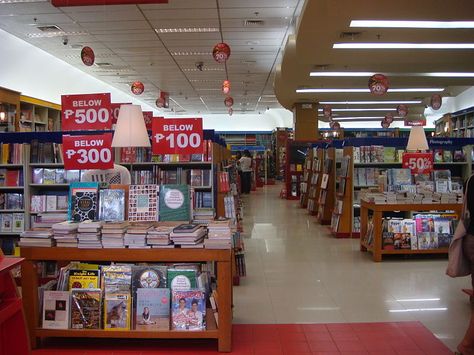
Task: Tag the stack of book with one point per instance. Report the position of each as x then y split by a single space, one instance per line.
65 234
159 237
46 220
89 234
407 197
219 235
113 234
37 238
203 215
188 235
135 238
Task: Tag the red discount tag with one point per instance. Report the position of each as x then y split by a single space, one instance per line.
88 152
86 112
177 136
148 117
418 163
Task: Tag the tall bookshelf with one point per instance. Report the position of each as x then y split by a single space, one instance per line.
314 186
306 179
39 115
327 189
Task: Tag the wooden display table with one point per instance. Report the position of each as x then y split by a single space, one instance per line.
222 333
377 218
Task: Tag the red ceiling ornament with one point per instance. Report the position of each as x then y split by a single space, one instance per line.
388 118
163 101
226 87
378 84
327 111
336 125
436 101
384 124
221 52
402 110
137 88
231 111
229 101
87 56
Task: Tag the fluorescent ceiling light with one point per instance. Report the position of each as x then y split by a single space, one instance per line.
370 102
411 24
359 118
377 45
340 73
343 90
367 74
418 299
190 53
203 69
451 75
55 34
417 310
359 109
187 30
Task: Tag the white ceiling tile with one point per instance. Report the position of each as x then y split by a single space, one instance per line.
117 25
180 14
31 8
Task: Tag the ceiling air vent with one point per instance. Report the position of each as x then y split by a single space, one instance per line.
253 23
49 28
350 34
103 65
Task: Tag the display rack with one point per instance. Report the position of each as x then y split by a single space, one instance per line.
458 124
377 217
38 115
306 179
223 333
315 182
327 189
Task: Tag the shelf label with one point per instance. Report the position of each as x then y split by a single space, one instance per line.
88 152
177 136
418 163
86 112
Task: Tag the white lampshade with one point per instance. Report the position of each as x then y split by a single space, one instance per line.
130 130
417 139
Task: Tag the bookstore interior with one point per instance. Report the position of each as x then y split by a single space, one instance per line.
131 130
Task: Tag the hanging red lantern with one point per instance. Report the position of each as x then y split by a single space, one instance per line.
436 101
336 125
163 100
378 84
402 110
231 111
137 88
388 118
229 101
87 56
221 52
226 87
327 111
384 124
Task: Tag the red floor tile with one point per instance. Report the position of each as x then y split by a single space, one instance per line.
323 345
350 345
313 337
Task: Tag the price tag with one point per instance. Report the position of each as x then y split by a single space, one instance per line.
177 136
148 117
86 112
88 152
418 163
115 109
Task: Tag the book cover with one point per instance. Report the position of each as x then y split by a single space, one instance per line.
181 279
60 176
37 177
18 224
444 240
324 181
427 240
438 155
84 279
442 225
175 203
51 203
13 177
62 203
112 205
447 156
117 309
83 199
149 276
401 241
152 311
395 226
49 176
143 203
7 222
188 310
56 310
388 241
86 309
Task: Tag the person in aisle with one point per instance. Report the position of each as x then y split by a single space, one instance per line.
466 347
246 167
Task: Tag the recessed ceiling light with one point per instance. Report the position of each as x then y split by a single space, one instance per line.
187 30
370 102
359 118
411 24
203 69
341 73
55 34
344 90
391 45
359 109
190 53
19 1
417 310
367 74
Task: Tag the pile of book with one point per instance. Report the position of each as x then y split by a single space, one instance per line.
188 235
65 234
89 235
36 238
159 237
46 220
135 238
426 197
113 234
219 235
203 215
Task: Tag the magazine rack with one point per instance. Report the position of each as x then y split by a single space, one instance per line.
224 289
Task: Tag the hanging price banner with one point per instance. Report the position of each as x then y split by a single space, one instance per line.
88 152
177 136
86 112
115 109
148 117
418 163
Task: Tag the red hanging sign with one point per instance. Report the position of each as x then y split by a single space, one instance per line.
148 117
164 100
418 163
177 136
115 109
86 112
415 122
88 152
378 84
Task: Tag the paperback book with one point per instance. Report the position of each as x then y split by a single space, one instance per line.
56 309
152 311
188 310
112 205
86 308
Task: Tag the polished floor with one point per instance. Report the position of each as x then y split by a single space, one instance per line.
298 273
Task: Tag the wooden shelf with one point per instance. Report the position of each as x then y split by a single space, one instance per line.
419 251
100 333
12 187
58 211
11 166
10 233
49 185
46 165
11 211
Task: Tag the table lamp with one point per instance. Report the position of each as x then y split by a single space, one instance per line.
417 139
130 130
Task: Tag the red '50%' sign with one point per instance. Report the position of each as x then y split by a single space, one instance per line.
85 112
177 136
418 163
88 152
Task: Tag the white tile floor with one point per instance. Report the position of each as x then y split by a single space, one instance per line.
298 273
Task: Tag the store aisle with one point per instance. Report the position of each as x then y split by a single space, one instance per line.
298 273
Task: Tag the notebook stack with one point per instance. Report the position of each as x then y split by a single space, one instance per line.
219 235
89 234
188 235
159 237
65 234
203 215
135 238
37 238
113 234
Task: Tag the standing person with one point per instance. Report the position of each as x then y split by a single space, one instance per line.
466 347
246 167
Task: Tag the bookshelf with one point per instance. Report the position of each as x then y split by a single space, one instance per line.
222 258
378 210
315 182
327 188
10 106
280 138
306 179
38 115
